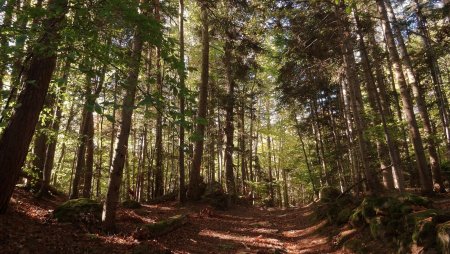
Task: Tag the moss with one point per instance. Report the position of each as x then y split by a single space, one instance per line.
356 218
377 227
355 245
344 215
72 210
424 233
411 199
329 194
418 216
165 226
216 196
443 237
131 204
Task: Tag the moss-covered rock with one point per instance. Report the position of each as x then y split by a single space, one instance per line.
78 209
355 246
131 204
216 196
412 199
160 228
344 215
329 194
356 219
378 228
443 237
424 233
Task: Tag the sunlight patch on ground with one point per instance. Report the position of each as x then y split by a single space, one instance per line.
232 217
303 232
259 241
308 245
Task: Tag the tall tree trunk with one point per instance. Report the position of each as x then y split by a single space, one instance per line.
50 156
442 101
305 154
242 147
419 95
194 177
7 20
387 116
159 174
376 105
89 170
115 178
182 193
229 118
373 183
81 152
31 100
424 172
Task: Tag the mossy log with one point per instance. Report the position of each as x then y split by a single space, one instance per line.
148 231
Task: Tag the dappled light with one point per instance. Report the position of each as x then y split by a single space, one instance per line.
224 126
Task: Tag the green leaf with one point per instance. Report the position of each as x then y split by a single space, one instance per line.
98 109
110 118
201 121
195 137
148 100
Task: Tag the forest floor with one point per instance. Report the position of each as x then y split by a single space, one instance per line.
28 228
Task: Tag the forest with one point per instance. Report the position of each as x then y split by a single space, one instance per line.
227 126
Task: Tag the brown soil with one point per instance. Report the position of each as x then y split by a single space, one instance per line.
28 228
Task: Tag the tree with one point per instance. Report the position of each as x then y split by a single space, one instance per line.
195 180
424 172
115 179
36 79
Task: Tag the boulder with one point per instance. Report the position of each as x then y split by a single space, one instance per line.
131 204
76 210
329 194
216 196
443 237
152 230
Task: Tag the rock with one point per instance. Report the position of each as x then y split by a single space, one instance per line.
131 204
355 245
356 219
165 198
163 227
329 194
443 237
377 227
216 196
78 209
343 215
411 199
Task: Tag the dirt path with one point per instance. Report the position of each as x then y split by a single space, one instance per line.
252 230
26 228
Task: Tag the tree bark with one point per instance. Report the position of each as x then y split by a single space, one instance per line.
229 119
31 100
442 101
159 174
51 149
424 172
115 178
181 168
194 177
373 183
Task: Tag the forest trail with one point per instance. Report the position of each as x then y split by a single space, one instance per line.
28 228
